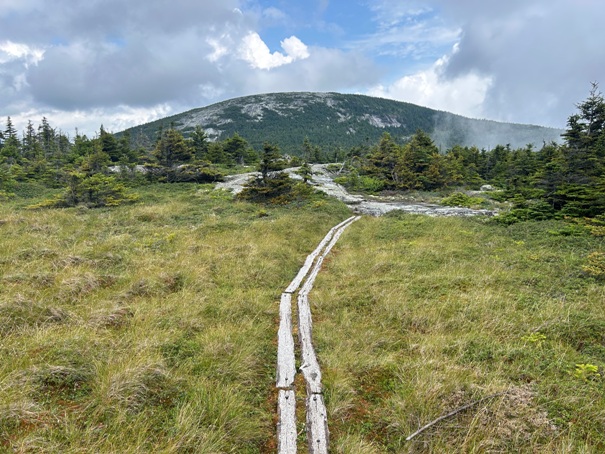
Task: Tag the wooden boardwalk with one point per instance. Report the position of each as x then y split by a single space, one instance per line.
317 418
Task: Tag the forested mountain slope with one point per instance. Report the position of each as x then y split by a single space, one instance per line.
340 120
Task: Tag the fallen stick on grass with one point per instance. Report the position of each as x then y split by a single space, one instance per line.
452 413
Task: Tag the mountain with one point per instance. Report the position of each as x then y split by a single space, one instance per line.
340 120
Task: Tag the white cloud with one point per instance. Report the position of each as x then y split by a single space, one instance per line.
295 48
74 61
18 51
219 49
274 14
537 74
89 121
463 95
259 56
324 70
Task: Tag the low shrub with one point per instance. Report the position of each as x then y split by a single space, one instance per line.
93 191
530 210
595 265
460 199
278 189
361 183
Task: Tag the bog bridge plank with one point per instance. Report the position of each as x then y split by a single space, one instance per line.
317 418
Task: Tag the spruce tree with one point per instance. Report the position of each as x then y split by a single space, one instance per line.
172 149
271 161
199 143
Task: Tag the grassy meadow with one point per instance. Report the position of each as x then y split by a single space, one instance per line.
415 317
152 328
149 327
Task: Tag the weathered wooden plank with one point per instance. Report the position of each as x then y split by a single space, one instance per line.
286 422
317 419
318 435
305 268
308 285
311 257
286 367
310 366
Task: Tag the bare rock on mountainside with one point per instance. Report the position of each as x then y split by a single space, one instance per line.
323 181
343 121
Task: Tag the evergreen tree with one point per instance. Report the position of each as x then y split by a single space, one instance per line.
522 165
385 162
199 143
110 145
585 128
46 137
11 148
550 176
307 150
32 150
97 161
172 149
127 154
496 165
581 193
82 146
271 160
216 154
305 172
416 160
237 149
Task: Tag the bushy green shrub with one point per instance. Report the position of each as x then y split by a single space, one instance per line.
460 199
279 189
4 195
530 210
93 191
361 183
197 173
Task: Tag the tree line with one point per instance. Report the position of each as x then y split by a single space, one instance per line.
557 180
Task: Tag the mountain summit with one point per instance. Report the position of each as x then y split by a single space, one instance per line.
341 120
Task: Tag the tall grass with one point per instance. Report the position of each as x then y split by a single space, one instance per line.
417 316
152 327
146 328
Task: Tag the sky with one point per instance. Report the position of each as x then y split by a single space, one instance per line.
116 63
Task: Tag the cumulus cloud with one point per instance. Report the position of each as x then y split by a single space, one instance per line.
18 51
323 70
114 119
257 53
524 61
98 57
94 55
540 55
464 94
520 60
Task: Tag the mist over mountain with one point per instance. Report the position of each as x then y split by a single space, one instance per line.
334 120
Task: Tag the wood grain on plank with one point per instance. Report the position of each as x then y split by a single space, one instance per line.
310 366
311 258
286 368
286 426
317 425
317 418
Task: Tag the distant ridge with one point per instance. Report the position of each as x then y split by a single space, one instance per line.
341 120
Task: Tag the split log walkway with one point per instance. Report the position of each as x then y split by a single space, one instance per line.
317 418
